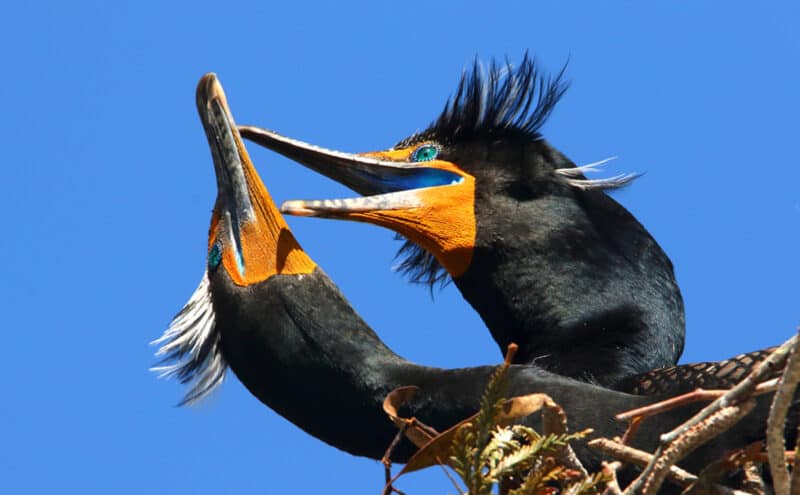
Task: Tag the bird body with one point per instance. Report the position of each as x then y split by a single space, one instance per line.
301 349
584 291
264 309
544 255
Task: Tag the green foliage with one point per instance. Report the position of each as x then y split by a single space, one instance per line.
515 459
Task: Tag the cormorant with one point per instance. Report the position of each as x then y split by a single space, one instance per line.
267 311
543 254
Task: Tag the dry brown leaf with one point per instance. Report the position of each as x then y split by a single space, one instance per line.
419 433
437 450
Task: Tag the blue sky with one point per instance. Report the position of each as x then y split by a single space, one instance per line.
109 184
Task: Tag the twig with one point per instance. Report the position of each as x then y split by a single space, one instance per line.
511 351
697 395
612 485
633 427
389 488
641 458
638 415
738 393
567 458
776 424
713 419
670 453
450 477
794 484
386 460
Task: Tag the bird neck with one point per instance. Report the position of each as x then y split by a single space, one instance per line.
578 283
301 349
317 363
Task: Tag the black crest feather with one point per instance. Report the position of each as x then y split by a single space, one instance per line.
498 102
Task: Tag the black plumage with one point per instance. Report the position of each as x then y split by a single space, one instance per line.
498 104
299 347
570 276
556 265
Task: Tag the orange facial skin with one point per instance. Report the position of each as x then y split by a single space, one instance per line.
440 217
443 224
268 247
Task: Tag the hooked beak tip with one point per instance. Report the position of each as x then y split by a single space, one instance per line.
207 88
210 90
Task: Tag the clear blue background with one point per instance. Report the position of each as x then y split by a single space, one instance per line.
107 187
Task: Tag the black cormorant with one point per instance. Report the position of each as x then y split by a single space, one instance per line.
543 254
267 311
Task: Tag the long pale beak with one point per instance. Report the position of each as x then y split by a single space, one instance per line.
430 203
259 244
226 147
385 181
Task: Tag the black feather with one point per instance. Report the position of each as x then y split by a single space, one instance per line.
496 103
420 266
502 102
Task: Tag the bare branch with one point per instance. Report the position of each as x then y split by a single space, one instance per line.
686 442
776 423
740 392
640 458
612 485
697 395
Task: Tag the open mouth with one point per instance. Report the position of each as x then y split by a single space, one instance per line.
413 191
384 184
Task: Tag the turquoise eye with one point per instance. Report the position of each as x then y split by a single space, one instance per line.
425 153
214 256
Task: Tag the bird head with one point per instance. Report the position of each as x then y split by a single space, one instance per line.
248 238
480 158
248 242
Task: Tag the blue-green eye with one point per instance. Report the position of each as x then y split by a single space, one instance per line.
214 256
425 153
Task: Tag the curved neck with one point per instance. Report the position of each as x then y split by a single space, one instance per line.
578 283
301 349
